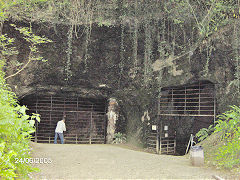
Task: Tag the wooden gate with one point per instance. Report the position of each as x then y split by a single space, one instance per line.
160 144
85 118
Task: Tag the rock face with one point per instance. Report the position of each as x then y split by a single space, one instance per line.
86 78
102 66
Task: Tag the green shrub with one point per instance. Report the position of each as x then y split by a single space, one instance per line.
228 124
226 153
16 126
204 133
15 133
119 138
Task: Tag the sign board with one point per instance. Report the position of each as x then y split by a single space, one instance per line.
154 127
165 128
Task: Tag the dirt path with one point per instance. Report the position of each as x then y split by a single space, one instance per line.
109 161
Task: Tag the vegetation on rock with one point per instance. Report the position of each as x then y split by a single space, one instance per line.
224 151
16 126
228 124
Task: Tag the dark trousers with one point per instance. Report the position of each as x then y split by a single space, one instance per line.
60 136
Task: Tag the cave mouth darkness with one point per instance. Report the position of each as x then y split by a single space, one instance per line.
85 118
182 111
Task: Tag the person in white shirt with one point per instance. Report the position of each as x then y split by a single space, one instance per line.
59 131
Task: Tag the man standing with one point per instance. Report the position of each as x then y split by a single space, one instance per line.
59 131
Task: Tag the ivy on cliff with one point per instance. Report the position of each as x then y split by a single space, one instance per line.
186 25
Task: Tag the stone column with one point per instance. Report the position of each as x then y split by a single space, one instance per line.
112 118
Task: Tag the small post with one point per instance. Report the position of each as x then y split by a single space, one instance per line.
105 125
160 147
64 105
214 108
199 91
51 112
76 138
77 104
172 101
189 144
157 140
90 135
51 102
160 136
175 146
168 146
185 104
36 122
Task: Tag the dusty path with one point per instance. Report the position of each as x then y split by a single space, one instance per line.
109 161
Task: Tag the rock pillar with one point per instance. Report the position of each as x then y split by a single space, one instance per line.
112 118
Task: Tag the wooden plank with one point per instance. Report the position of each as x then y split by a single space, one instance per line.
167 143
187 94
48 104
185 115
188 106
71 111
194 102
191 110
165 148
183 90
192 98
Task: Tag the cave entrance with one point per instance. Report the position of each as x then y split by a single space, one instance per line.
182 111
85 118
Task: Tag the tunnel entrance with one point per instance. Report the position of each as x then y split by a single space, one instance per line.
85 118
182 111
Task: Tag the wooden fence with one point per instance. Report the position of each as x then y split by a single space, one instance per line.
85 119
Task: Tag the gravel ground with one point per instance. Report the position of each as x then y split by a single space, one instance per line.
70 161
